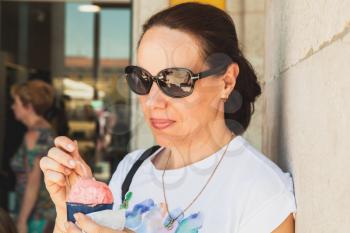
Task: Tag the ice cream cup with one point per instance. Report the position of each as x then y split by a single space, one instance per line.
73 208
88 196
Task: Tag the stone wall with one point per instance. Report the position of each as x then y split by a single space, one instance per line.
307 106
249 19
142 10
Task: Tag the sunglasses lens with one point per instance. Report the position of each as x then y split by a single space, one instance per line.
176 82
138 80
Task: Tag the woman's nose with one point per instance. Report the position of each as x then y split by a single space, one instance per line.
155 97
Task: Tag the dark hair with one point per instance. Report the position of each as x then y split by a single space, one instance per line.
215 30
57 116
6 223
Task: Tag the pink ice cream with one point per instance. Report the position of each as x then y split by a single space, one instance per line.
91 192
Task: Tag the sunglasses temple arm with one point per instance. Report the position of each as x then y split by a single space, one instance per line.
208 72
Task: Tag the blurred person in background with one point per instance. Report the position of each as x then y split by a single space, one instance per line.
34 101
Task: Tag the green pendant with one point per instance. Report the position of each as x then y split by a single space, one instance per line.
125 203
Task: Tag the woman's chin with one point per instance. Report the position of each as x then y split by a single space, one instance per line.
168 139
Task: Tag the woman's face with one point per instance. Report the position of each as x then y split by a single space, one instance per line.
170 118
19 109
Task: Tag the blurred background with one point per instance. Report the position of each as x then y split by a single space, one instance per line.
81 48
300 50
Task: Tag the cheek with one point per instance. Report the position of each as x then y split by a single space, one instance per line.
211 91
15 108
17 112
20 112
145 111
193 111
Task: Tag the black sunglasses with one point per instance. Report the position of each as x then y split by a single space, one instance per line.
174 82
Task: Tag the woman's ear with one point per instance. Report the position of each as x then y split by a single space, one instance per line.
230 77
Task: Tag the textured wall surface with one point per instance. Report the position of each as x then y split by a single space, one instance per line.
142 10
249 19
307 106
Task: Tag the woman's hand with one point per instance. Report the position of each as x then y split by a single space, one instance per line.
62 167
87 225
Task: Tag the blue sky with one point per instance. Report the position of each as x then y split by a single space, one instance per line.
114 38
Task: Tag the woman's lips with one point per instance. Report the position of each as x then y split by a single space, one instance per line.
161 123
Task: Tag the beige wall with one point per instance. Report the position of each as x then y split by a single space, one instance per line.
142 10
307 106
249 18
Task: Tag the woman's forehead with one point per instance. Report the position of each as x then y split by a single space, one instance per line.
162 47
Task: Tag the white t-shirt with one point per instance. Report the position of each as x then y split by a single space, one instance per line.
247 194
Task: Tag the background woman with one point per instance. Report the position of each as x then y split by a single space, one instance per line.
34 208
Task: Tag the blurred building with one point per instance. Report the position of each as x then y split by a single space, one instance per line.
81 48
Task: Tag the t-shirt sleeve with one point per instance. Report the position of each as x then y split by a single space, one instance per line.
119 175
270 213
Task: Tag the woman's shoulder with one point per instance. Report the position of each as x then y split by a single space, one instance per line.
45 136
129 159
262 182
267 191
132 157
253 166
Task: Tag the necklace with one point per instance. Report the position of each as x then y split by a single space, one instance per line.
170 223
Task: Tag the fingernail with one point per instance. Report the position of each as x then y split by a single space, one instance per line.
72 163
70 147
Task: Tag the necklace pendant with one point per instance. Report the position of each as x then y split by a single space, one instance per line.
170 224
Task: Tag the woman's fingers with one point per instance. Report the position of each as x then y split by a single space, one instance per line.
86 223
89 226
61 157
47 163
54 178
67 153
83 169
75 153
64 143
71 228
69 146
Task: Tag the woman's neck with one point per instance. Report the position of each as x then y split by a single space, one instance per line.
33 121
194 148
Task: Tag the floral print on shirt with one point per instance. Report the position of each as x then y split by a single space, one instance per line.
147 217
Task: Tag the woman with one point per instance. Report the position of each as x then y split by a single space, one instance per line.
34 208
205 177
